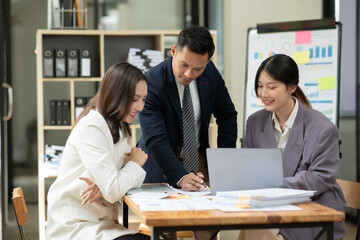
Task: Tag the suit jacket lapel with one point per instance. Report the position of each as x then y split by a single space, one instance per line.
203 96
267 137
171 89
294 147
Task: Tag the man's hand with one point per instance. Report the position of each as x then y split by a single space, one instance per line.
91 193
192 182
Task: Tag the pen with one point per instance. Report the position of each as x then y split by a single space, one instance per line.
199 176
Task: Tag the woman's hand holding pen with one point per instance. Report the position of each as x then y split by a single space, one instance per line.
136 155
192 182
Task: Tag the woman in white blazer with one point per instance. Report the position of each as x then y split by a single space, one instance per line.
308 139
95 152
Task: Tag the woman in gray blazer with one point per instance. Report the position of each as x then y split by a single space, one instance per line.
308 139
94 153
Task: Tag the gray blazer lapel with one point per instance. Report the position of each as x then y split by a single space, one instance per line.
294 147
267 137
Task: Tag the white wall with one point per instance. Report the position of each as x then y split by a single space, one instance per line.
239 15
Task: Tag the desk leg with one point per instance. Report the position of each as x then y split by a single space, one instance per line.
330 231
125 215
155 233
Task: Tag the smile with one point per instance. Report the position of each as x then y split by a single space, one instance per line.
267 102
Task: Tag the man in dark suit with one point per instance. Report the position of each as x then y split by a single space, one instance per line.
162 119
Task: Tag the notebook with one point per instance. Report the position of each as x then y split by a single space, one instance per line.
233 169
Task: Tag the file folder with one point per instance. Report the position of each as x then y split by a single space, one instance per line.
48 67
58 112
53 105
85 63
60 63
73 63
80 103
65 112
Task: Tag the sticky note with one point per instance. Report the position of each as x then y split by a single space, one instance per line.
303 37
301 57
327 83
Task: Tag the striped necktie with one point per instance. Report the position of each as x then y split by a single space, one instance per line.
190 146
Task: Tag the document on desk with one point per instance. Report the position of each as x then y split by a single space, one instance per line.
268 199
190 204
203 192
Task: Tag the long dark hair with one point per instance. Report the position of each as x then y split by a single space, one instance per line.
284 69
114 97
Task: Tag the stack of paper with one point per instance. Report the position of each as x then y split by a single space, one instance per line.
268 199
279 196
144 59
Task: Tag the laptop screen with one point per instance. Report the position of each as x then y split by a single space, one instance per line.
233 169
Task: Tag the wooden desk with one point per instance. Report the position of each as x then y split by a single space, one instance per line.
312 215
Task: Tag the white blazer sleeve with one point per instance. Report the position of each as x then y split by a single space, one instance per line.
96 150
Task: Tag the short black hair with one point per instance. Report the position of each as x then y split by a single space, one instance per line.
198 40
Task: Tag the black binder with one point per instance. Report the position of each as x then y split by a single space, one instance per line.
85 63
58 112
48 65
80 103
60 63
53 105
65 112
73 63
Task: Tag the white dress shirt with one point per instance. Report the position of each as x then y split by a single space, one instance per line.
282 137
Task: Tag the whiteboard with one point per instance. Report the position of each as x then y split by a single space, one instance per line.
317 55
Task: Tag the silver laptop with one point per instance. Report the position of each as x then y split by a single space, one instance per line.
233 169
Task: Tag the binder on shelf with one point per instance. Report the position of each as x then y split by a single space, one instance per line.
53 105
80 103
60 63
58 112
73 63
85 63
48 63
65 112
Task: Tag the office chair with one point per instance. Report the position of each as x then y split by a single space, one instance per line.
351 192
20 209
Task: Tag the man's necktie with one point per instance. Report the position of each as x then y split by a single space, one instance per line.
190 146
